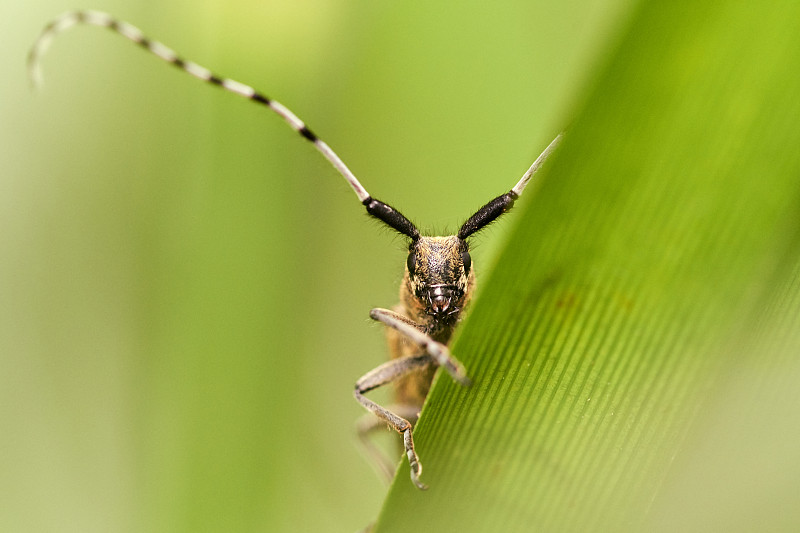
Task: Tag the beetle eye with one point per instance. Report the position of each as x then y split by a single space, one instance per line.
411 263
466 260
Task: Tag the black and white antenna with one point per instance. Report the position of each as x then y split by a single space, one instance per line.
98 18
375 208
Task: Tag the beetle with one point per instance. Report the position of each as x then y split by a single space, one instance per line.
438 281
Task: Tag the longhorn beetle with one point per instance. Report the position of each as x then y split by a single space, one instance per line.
438 281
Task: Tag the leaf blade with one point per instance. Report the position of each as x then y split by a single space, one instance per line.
657 227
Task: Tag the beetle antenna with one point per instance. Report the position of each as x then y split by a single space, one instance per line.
494 208
375 208
520 186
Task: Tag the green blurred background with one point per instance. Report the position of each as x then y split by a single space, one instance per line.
184 284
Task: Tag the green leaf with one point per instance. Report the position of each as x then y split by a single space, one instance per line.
649 285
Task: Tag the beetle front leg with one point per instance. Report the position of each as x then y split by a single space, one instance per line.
408 328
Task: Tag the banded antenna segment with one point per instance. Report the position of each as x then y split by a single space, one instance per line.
134 34
523 182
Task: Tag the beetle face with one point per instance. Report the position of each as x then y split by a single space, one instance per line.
438 275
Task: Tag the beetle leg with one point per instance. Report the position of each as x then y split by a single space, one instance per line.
368 424
440 353
386 373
